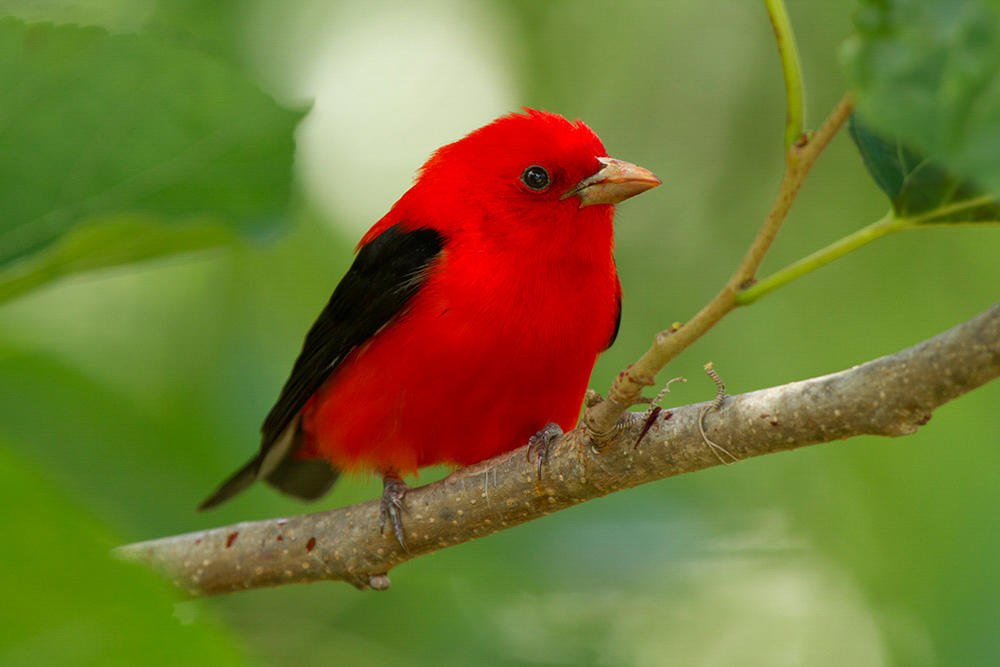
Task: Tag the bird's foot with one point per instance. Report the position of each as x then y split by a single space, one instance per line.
540 444
392 507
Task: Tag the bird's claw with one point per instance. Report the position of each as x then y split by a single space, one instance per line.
392 507
540 444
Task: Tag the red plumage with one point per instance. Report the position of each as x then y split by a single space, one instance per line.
486 294
502 337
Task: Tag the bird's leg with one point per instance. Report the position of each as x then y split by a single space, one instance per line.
540 444
392 508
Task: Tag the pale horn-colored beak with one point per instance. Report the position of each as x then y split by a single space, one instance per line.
616 181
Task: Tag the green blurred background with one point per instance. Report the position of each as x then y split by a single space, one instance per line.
129 392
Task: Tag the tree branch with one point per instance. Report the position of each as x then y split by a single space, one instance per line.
892 396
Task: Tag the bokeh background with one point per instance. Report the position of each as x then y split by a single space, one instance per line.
128 393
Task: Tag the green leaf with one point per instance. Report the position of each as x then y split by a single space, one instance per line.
927 70
67 601
105 242
98 127
919 189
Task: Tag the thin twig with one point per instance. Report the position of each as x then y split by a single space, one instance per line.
791 67
600 419
887 225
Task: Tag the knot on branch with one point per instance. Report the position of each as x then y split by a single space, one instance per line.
595 432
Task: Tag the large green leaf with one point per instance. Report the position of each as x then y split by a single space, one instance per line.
98 127
919 188
108 241
927 70
68 602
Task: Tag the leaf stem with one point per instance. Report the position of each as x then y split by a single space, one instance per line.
950 224
791 67
864 236
955 207
887 225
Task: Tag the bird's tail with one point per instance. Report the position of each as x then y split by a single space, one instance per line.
305 479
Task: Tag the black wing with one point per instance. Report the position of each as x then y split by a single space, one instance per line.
385 275
383 278
618 318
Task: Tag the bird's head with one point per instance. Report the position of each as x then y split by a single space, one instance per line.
532 170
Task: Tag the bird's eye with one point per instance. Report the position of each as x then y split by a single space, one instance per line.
536 178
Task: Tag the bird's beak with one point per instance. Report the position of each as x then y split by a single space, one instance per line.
615 182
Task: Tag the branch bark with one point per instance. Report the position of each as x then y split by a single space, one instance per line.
890 396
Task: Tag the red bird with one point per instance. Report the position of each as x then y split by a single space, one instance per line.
469 321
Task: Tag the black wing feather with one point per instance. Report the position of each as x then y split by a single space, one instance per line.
385 275
618 321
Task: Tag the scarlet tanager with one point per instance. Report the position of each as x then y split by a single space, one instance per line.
469 321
